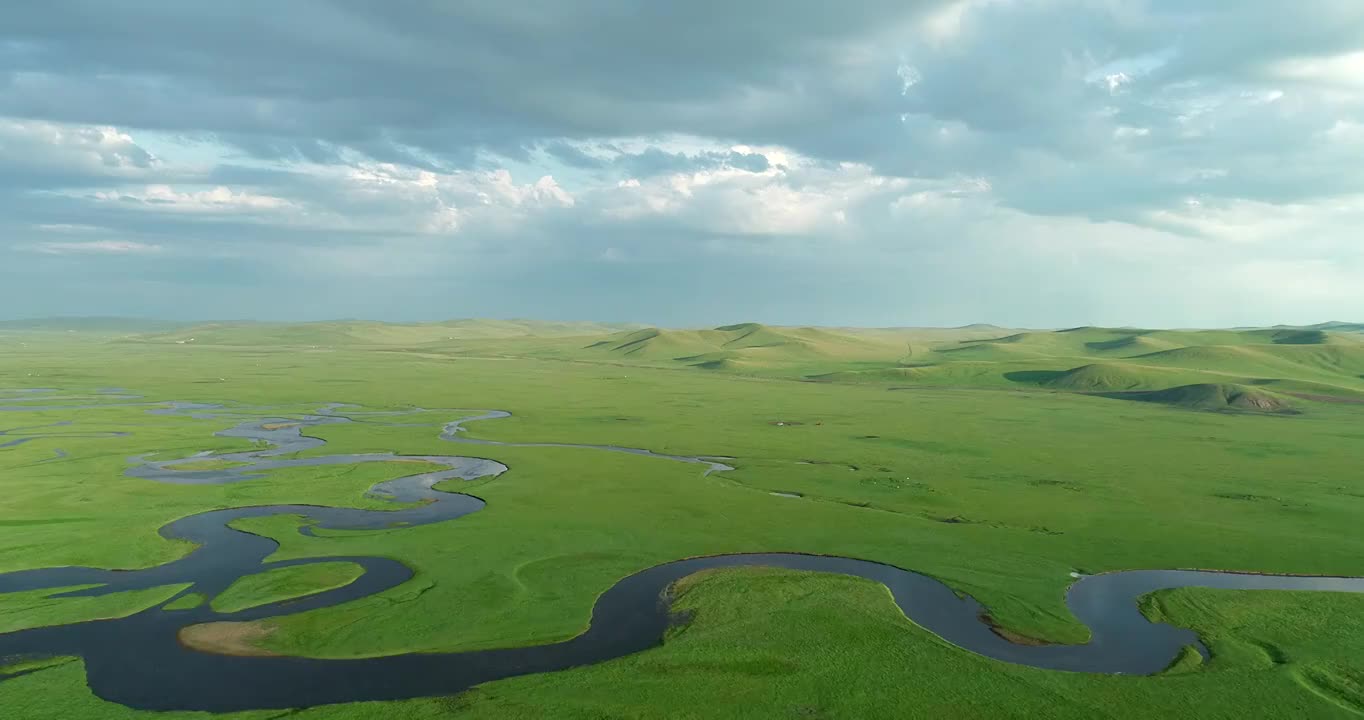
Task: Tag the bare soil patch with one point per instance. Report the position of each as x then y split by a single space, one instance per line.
1011 636
228 638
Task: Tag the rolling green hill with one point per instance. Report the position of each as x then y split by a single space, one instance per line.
1315 363
1218 397
747 343
750 348
1112 376
1323 364
1334 326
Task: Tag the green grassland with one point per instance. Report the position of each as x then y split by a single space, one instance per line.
1325 360
38 608
998 461
284 583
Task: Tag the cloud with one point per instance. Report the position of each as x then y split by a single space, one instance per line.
347 74
395 199
1050 162
1344 71
166 198
801 199
98 247
37 153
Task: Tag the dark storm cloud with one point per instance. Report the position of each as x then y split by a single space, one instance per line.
435 76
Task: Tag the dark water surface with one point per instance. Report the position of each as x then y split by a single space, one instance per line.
138 661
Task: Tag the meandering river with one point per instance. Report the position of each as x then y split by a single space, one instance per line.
140 662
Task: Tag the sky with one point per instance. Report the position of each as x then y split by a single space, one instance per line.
1028 163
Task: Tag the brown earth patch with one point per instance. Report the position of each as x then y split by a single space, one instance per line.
278 426
1011 636
228 638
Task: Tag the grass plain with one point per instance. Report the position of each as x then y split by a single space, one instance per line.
999 461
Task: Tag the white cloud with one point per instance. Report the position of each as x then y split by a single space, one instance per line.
909 77
1346 133
217 199
66 228
398 198
1345 70
942 198
544 192
793 196
1115 81
948 21
1319 233
97 247
92 150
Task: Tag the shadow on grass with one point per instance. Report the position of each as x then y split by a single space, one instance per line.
1035 377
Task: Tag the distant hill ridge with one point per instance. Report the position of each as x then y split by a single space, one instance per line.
152 324
733 346
1241 369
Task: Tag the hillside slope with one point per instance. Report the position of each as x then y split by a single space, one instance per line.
1215 397
1317 363
1306 362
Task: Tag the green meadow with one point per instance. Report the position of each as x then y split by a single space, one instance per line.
999 461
